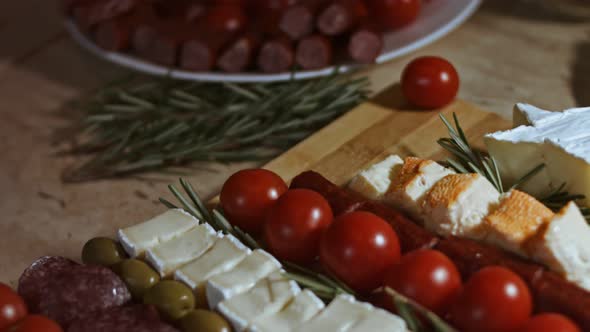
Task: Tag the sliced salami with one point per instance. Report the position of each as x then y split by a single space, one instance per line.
36 277
80 291
137 318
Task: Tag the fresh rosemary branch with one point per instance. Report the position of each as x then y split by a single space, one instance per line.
559 197
325 287
131 127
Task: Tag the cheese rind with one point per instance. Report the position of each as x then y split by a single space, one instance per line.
256 266
301 309
164 227
225 254
518 217
170 255
412 182
374 181
564 245
340 315
267 297
457 205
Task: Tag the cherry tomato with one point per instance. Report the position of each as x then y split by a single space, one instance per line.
357 248
394 14
12 306
430 82
295 224
494 299
550 322
428 277
35 323
247 195
226 17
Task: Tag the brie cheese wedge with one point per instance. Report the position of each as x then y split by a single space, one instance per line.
379 320
301 309
340 315
564 245
457 204
172 254
141 237
518 217
560 140
267 297
256 266
412 182
374 181
225 254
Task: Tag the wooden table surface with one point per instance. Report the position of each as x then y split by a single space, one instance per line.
509 51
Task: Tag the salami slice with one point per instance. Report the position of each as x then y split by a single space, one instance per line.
80 291
37 276
136 318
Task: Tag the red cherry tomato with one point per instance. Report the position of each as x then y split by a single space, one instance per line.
226 17
357 248
394 14
550 322
295 224
430 82
247 195
35 323
494 299
426 276
12 306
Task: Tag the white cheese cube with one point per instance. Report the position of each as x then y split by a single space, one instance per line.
518 217
301 309
379 320
411 184
267 297
457 204
374 181
256 266
170 224
340 315
225 254
170 255
564 245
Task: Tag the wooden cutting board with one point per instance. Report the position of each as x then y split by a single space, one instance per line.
378 128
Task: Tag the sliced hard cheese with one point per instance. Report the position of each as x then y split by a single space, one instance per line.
564 245
170 255
560 140
256 266
517 218
302 308
380 321
374 181
170 224
340 315
267 297
225 254
457 204
411 184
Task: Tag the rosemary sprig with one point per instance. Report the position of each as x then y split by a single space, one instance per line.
326 287
558 198
131 127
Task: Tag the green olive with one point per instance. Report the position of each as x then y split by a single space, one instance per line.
203 321
102 251
137 275
172 298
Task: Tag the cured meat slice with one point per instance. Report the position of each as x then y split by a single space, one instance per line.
80 291
298 20
341 16
37 276
276 55
240 53
314 52
136 318
365 43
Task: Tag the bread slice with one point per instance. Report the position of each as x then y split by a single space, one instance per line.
457 205
518 217
412 182
563 245
374 181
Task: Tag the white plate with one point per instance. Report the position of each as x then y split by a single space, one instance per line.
438 18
